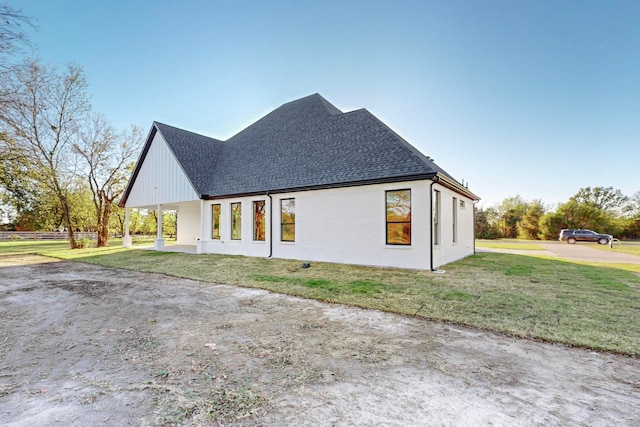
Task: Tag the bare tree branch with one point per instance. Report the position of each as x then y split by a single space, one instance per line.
106 155
42 117
13 37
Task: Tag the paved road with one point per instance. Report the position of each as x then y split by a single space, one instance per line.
587 252
578 252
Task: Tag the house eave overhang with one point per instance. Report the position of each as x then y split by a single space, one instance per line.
327 186
455 186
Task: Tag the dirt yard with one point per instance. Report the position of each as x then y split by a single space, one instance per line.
87 345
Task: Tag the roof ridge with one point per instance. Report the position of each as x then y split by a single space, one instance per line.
310 103
329 106
415 151
332 109
186 131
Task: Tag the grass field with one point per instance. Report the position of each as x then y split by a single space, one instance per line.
583 305
15 247
632 248
503 244
624 247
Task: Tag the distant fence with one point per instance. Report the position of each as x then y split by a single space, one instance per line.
44 235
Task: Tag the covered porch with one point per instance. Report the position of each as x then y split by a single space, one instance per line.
188 227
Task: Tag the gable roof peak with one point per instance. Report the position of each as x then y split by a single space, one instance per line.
311 100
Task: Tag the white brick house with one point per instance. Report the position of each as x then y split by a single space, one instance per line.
306 182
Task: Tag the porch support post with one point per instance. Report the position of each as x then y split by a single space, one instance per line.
201 241
159 242
126 239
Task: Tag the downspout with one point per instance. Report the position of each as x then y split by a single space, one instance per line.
270 225
474 225
434 180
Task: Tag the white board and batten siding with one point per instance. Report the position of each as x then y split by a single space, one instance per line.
343 225
160 179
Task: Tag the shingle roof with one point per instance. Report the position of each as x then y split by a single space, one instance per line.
306 143
197 154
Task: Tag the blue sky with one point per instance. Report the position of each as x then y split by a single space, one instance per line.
536 98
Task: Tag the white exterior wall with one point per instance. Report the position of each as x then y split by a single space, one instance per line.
447 250
160 180
345 225
188 226
246 245
348 225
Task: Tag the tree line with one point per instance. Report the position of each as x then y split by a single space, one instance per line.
62 165
602 209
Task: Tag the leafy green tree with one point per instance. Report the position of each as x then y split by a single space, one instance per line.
631 226
510 213
486 223
13 41
529 225
169 223
18 188
45 212
550 225
601 199
117 224
604 209
107 158
597 208
41 113
83 217
633 206
42 213
149 223
594 208
578 215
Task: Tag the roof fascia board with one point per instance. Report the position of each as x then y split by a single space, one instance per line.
139 161
403 141
455 186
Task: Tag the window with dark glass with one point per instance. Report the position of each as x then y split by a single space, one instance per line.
398 214
288 220
436 217
258 220
215 222
236 221
455 219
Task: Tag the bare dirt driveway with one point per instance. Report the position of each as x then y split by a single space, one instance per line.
87 345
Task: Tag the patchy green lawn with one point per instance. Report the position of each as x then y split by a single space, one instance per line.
15 247
632 248
573 303
24 246
509 244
